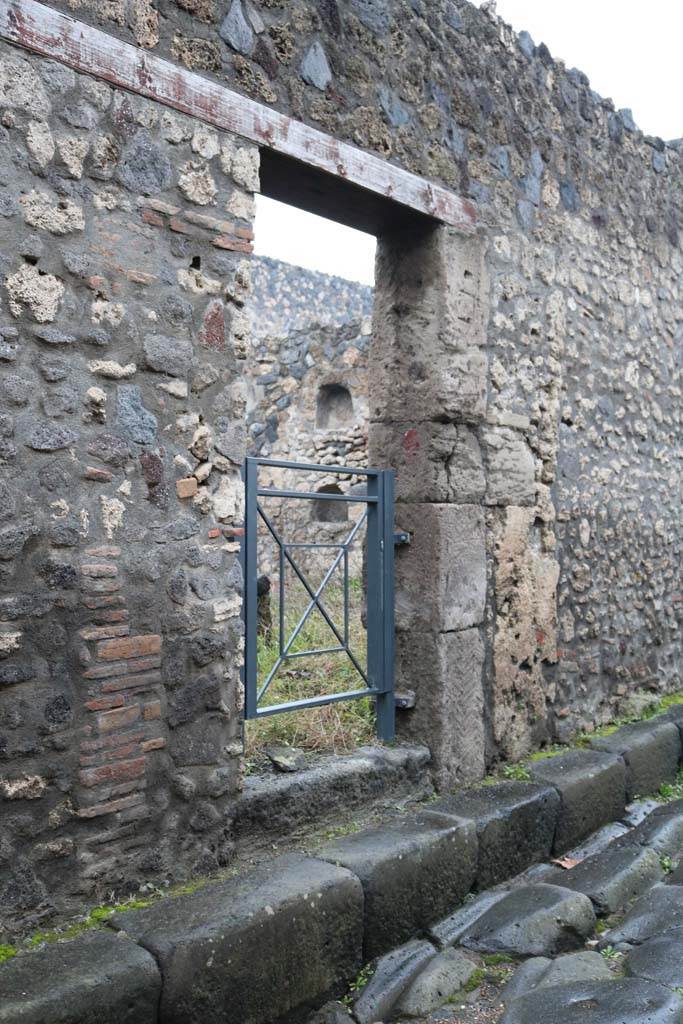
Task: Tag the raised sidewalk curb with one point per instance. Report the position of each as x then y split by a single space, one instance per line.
278 941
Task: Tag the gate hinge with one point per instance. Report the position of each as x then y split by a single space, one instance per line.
401 537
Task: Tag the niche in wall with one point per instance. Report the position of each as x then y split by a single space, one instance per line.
334 407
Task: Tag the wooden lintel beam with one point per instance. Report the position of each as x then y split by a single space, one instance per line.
43 30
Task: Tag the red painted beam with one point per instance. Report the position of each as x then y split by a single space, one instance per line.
43 30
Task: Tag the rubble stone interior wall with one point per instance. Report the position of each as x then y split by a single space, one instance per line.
308 402
537 435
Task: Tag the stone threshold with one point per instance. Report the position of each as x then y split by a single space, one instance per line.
280 940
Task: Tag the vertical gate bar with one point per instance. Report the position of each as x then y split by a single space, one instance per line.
250 589
346 596
373 589
386 707
281 610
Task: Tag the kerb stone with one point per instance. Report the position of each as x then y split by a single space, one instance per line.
284 937
413 872
515 824
592 788
651 751
99 978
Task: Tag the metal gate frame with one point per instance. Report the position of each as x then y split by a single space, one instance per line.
379 515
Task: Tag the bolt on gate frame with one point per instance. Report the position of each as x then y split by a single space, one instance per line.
378 516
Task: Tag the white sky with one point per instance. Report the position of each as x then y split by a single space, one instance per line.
632 52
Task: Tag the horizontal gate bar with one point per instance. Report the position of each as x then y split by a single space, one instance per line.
355 499
315 702
89 50
316 467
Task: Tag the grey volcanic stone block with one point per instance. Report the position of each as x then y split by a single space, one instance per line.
279 804
592 788
99 978
612 878
442 978
662 830
659 959
538 920
284 937
658 911
515 824
623 1001
651 751
393 973
413 872
448 931
539 972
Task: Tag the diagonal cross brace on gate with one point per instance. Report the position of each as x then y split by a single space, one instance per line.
378 515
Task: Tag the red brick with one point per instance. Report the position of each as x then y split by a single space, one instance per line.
115 615
213 533
104 632
245 233
105 703
150 217
151 711
235 244
111 721
129 647
160 205
101 476
108 742
139 683
110 806
121 668
99 570
122 771
104 551
100 586
206 221
105 601
115 754
156 744
181 227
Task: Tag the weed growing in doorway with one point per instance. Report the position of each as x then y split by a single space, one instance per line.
336 727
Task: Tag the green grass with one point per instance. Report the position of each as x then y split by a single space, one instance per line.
672 790
334 727
6 953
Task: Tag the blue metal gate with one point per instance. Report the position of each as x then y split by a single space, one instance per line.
377 499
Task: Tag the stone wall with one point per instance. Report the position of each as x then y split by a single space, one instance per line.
307 401
123 341
536 438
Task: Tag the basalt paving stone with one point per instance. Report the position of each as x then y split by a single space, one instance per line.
659 959
393 973
612 878
448 931
623 1001
651 751
515 824
439 981
539 920
662 830
592 788
254 948
675 877
99 978
413 872
539 972
659 910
